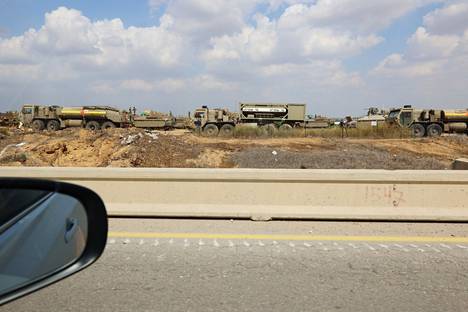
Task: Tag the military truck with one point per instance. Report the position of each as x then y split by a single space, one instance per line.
429 122
214 121
269 116
282 116
54 118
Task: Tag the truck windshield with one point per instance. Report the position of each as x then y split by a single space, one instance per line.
393 114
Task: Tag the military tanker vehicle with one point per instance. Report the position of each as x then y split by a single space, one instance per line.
269 116
429 122
282 116
54 118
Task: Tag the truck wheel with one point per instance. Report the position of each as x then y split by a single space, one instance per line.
53 125
269 129
285 128
108 125
418 130
92 125
211 130
227 130
434 130
38 125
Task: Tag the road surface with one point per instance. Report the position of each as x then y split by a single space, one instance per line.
222 265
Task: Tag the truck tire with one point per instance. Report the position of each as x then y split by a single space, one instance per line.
38 125
285 128
418 130
434 130
92 125
53 125
210 130
227 130
269 129
108 125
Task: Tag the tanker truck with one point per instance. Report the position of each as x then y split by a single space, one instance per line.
54 118
284 116
268 116
429 122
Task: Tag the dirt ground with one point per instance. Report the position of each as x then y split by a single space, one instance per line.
181 149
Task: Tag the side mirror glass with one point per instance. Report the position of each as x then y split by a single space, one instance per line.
48 230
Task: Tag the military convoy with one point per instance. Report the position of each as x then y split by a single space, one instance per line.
269 117
429 122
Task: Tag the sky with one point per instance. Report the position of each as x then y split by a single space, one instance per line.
338 56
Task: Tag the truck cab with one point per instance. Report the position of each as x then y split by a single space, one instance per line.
403 117
26 114
39 116
213 121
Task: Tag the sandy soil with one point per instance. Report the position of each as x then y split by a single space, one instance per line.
182 149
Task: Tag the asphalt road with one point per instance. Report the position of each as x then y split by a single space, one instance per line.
207 265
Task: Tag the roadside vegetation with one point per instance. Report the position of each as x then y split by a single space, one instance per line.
381 132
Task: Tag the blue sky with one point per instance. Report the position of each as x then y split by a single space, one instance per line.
339 56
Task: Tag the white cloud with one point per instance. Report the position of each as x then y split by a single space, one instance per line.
366 16
435 47
202 19
269 41
210 82
423 45
70 37
317 73
137 85
396 65
163 85
451 19
431 72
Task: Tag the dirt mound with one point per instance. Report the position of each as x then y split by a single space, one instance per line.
138 148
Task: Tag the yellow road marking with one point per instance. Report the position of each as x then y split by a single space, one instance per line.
283 237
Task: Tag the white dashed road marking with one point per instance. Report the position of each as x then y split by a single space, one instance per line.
330 246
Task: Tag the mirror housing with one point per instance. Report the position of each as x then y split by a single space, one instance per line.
97 228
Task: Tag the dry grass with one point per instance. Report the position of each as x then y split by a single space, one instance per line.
382 132
4 131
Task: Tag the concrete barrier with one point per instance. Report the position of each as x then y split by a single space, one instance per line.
271 193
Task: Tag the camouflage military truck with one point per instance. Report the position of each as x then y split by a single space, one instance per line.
54 118
212 122
429 122
269 116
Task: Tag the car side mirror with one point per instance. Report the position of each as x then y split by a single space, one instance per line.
48 230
